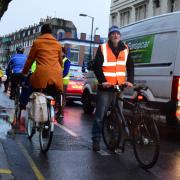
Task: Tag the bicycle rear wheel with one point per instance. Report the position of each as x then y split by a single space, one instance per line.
46 133
111 131
146 140
31 129
17 114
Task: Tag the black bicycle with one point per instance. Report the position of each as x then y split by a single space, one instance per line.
141 130
17 112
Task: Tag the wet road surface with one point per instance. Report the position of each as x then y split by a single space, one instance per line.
71 157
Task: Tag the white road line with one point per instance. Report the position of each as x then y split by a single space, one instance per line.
67 130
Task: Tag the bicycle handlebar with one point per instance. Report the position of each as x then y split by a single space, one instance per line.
135 87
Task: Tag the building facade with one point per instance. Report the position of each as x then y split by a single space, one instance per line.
78 45
123 12
26 36
79 48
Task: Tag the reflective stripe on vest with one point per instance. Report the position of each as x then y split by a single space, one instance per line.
114 69
66 78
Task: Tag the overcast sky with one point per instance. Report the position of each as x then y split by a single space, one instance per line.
22 13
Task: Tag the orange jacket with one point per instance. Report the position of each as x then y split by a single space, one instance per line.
114 69
46 51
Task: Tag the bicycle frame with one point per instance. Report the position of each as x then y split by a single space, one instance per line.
118 106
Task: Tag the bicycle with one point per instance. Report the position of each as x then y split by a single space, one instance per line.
17 112
46 129
141 130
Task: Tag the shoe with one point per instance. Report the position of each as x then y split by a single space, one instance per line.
12 97
22 107
96 146
10 132
59 115
112 145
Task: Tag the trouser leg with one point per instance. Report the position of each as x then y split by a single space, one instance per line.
104 100
15 79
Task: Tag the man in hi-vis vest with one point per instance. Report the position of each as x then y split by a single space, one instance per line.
111 65
66 67
66 76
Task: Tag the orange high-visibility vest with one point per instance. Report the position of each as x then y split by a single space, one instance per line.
114 69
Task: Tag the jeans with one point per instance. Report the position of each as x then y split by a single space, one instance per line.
104 100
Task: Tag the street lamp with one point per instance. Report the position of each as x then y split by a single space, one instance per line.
94 40
92 18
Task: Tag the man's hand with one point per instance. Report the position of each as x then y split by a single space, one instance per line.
106 85
128 84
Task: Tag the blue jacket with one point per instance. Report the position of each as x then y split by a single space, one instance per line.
17 62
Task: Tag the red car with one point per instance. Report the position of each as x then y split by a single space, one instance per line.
75 87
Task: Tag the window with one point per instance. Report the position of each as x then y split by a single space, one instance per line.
86 58
114 20
157 3
171 5
141 12
164 49
74 56
124 18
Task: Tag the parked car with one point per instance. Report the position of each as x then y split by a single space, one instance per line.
75 86
155 47
89 92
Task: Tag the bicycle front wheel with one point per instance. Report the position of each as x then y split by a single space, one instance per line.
146 140
46 133
111 131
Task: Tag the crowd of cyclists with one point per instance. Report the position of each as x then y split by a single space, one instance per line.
46 65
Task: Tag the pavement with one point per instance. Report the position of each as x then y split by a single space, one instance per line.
5 171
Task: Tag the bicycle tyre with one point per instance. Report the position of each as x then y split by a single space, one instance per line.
17 112
30 128
111 127
46 133
145 134
17 115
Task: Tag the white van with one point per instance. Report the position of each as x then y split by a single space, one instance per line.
155 48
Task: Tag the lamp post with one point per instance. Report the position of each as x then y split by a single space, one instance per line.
92 18
94 37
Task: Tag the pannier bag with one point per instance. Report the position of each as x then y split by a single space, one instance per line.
37 107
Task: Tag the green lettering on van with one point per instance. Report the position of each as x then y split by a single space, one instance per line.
141 48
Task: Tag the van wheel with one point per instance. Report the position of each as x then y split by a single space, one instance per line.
87 106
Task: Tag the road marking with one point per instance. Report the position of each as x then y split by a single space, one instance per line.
67 130
5 171
31 162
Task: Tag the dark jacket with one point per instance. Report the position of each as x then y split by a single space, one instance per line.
99 59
